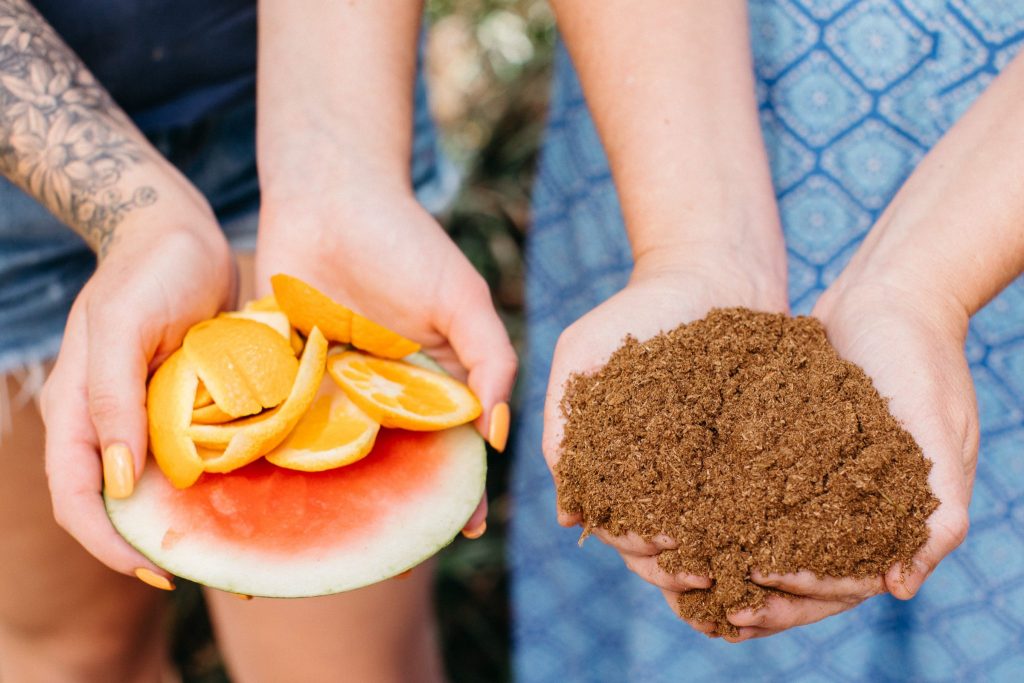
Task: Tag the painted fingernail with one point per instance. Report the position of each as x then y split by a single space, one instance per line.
153 579
404 575
241 596
475 532
118 471
497 435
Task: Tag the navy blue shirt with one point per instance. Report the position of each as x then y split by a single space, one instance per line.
168 63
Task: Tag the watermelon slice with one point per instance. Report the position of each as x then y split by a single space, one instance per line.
267 531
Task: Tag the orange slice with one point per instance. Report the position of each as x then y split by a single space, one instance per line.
379 340
308 307
169 402
259 438
203 397
333 432
245 365
210 415
399 394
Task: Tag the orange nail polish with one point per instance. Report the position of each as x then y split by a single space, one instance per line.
497 435
241 596
118 471
150 577
404 575
476 532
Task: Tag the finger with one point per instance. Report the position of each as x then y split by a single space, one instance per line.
648 569
479 339
632 543
708 628
477 523
749 633
808 584
116 381
72 461
947 529
781 612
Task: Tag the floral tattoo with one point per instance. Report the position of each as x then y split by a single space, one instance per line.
62 138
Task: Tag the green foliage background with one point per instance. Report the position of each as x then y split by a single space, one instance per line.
488 64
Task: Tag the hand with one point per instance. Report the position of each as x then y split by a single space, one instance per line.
911 345
664 291
375 249
156 281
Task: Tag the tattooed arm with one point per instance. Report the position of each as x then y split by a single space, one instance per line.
66 142
163 266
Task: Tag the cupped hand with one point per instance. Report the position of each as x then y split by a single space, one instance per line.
911 344
158 278
377 251
665 290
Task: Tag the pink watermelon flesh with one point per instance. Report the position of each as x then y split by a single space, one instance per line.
264 530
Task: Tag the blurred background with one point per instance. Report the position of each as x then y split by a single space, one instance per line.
488 63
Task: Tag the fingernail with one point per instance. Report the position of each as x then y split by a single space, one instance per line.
153 579
497 435
404 575
475 532
241 596
118 471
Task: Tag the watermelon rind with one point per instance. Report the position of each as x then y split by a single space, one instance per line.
415 530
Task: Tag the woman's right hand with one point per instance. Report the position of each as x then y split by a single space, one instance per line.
157 279
665 290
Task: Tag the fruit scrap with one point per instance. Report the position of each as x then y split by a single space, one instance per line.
307 307
255 440
403 395
235 391
169 402
245 365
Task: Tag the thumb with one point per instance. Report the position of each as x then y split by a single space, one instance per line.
478 337
117 369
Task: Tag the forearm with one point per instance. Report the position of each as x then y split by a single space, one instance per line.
671 87
67 144
955 230
335 93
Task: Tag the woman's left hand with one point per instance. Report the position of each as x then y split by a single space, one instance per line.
911 343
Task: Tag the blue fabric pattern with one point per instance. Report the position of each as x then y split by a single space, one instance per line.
851 95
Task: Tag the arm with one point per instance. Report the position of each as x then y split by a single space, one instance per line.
163 265
671 88
66 143
334 147
670 85
950 240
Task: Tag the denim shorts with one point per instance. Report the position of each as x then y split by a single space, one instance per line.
43 265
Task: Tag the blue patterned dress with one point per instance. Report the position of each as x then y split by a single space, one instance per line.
851 95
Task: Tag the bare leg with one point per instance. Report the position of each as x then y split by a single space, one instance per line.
384 633
63 615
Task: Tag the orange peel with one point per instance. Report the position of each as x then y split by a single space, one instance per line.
245 365
402 395
334 432
203 397
210 415
308 307
169 400
255 440
219 435
379 340
275 320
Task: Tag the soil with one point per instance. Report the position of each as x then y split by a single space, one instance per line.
748 440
